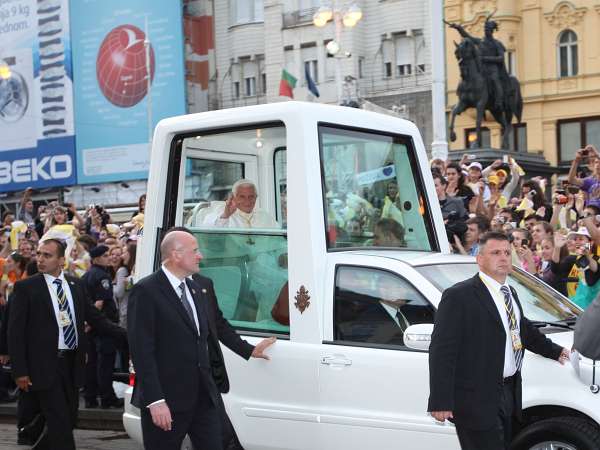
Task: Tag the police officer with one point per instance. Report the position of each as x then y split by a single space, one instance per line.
101 359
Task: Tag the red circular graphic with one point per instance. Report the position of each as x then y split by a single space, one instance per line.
121 66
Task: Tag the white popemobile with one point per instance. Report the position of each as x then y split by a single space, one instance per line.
349 281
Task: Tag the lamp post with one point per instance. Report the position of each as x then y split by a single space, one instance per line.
348 17
439 146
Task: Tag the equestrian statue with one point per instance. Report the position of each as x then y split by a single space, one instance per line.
485 83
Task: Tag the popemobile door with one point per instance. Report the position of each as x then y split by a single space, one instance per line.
248 266
373 389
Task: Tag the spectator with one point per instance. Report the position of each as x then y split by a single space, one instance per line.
535 195
453 210
522 255
540 231
457 187
391 203
476 227
579 265
530 221
388 233
26 210
7 219
506 185
590 185
141 206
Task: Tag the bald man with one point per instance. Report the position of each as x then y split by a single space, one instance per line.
174 344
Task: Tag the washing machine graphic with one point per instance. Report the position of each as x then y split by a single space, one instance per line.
18 124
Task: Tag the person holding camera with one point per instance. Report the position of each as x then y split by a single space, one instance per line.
580 266
590 185
453 210
522 255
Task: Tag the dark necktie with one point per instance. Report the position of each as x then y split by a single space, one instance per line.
512 322
69 335
186 304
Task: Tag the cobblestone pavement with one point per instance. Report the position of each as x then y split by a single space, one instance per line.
85 439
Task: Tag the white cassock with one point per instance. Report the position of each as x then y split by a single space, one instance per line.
240 219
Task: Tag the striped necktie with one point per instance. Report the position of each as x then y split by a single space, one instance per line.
69 334
512 321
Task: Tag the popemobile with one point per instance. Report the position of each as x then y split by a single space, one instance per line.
348 279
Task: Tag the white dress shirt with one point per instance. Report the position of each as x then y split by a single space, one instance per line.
175 283
54 296
510 366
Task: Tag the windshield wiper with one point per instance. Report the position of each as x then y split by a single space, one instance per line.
559 324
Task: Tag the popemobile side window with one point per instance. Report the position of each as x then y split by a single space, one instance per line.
239 223
374 306
374 195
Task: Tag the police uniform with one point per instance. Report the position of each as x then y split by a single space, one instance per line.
101 357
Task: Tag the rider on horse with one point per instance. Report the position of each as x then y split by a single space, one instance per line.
492 60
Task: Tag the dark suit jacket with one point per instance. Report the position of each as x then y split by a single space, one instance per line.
466 356
164 342
33 330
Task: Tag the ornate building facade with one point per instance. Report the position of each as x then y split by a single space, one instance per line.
553 49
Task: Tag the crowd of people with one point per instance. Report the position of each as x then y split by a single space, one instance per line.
554 230
97 251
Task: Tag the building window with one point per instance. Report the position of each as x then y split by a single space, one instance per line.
246 11
250 86
403 69
471 138
361 67
574 134
518 138
236 89
420 52
387 50
511 62
387 69
404 55
567 54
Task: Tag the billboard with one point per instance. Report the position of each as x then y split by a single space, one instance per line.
37 144
128 65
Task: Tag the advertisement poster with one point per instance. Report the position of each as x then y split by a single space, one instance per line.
128 65
37 144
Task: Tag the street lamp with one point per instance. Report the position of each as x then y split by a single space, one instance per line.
347 17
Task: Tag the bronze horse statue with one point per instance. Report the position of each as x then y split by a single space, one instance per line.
476 91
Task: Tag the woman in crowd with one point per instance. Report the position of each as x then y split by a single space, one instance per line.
522 254
122 288
14 270
457 187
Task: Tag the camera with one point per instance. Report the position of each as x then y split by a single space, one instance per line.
525 243
455 226
573 189
585 152
582 262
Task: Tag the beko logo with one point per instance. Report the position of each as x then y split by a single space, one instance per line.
26 170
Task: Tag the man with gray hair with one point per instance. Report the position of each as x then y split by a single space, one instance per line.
240 211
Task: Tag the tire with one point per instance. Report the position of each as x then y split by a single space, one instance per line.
577 433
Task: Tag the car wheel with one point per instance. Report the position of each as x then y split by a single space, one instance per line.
559 433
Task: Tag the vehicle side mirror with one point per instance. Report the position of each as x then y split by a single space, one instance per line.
418 337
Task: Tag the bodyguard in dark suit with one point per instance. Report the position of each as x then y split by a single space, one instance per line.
174 326
477 349
46 340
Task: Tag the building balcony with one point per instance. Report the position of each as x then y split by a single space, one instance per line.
299 18
231 102
375 86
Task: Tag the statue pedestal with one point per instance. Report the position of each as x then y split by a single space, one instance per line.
534 164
